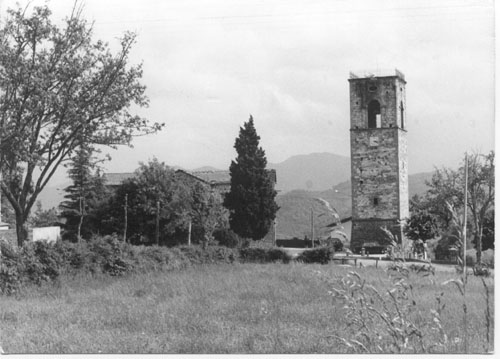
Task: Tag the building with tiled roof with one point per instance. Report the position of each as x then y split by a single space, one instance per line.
218 180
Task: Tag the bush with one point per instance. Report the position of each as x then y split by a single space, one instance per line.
10 277
481 269
489 258
211 254
335 243
40 262
227 238
263 255
106 255
35 263
317 255
278 255
76 256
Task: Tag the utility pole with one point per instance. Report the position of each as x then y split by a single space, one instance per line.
465 255
465 216
189 232
157 231
125 219
312 228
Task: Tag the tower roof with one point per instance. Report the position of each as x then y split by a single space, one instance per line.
364 74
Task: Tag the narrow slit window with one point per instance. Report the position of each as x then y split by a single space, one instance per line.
402 115
374 117
375 201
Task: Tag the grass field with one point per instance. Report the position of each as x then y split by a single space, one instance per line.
239 308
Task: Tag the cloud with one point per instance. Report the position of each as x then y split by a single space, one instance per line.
208 65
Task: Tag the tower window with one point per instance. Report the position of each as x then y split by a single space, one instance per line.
402 115
374 117
375 201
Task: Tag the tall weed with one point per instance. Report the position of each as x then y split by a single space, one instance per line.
386 321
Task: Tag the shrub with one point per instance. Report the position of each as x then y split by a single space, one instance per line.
35 263
107 255
317 255
335 243
76 256
153 258
489 258
482 270
176 259
263 255
155 253
40 261
10 277
211 254
227 238
278 255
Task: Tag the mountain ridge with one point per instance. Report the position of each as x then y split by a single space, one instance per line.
314 172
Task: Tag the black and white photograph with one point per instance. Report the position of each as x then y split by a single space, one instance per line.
247 177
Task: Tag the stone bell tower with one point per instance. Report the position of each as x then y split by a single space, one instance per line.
379 158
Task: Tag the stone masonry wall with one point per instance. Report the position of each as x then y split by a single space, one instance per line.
388 91
369 233
404 207
374 174
379 165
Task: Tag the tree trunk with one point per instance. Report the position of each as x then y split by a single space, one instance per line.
21 229
479 244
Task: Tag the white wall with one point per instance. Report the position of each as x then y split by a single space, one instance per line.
49 234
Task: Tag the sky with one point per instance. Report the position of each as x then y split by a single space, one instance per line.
209 64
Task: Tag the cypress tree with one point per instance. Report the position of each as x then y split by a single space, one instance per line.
251 200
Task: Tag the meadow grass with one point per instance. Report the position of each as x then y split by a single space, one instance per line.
224 308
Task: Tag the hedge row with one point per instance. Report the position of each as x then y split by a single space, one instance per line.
38 262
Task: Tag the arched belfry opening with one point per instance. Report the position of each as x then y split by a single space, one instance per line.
374 117
401 107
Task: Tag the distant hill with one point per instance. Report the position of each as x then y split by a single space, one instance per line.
206 168
313 172
294 215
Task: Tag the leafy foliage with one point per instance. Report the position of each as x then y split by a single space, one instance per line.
84 196
44 218
39 262
59 87
251 200
153 182
422 224
209 255
446 194
206 210
227 238
317 255
263 255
